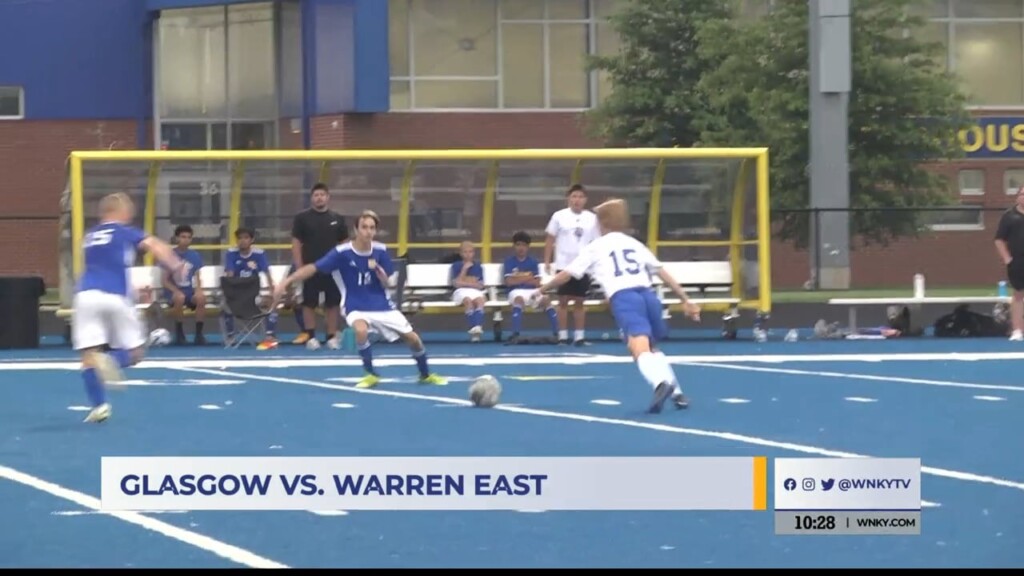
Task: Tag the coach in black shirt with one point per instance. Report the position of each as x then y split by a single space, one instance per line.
316 231
1010 245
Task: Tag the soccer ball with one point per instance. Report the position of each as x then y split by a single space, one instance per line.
485 391
159 337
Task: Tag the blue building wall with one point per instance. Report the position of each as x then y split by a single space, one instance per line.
77 59
92 59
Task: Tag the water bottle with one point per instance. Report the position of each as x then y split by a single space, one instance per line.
918 285
1002 291
348 340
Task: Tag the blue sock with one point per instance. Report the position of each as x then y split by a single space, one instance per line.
469 317
300 319
123 357
478 317
421 362
229 323
517 319
93 387
553 317
272 323
367 355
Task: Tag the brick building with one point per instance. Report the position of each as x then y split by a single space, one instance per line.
205 74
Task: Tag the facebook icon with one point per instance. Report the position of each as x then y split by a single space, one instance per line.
789 484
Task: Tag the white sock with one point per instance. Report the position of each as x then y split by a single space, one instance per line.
655 370
578 335
663 358
563 334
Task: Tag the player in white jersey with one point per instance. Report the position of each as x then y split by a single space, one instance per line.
623 267
103 311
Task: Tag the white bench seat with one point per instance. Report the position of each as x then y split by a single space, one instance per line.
854 303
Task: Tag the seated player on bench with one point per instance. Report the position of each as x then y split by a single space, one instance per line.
245 261
188 293
522 277
467 277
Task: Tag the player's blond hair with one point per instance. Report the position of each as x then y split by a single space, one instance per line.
116 202
371 215
613 215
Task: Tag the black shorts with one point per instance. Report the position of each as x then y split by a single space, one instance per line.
578 287
1015 273
320 284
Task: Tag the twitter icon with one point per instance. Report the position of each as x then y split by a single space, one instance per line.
827 484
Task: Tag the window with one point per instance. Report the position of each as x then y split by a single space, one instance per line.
1013 179
968 218
12 102
498 54
216 77
985 46
972 182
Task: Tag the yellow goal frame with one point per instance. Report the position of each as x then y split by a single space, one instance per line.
752 160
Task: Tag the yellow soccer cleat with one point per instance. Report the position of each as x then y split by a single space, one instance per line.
268 343
433 379
369 381
301 339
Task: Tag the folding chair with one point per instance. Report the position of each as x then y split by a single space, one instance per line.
240 302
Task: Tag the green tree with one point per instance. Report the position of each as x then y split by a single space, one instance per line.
904 110
655 74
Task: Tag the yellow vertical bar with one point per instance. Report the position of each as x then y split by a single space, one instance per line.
577 172
237 185
149 220
760 483
764 234
403 208
487 226
739 194
654 210
325 172
77 216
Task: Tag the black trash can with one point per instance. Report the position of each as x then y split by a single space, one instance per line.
19 311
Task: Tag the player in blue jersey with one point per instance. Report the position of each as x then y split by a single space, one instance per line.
361 268
103 310
245 261
467 277
623 267
522 277
187 293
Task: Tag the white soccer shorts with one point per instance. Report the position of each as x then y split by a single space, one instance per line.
527 294
389 324
461 294
99 318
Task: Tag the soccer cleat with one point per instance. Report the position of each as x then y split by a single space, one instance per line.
433 379
301 339
107 368
368 381
98 414
334 343
680 401
1017 336
268 343
474 333
312 344
661 393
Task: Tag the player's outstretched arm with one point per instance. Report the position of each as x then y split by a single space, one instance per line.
559 279
691 309
164 254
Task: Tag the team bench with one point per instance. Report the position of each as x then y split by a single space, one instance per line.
854 303
426 287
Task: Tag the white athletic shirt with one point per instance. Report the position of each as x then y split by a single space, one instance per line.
572 232
616 262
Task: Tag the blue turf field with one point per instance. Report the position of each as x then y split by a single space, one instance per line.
961 413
